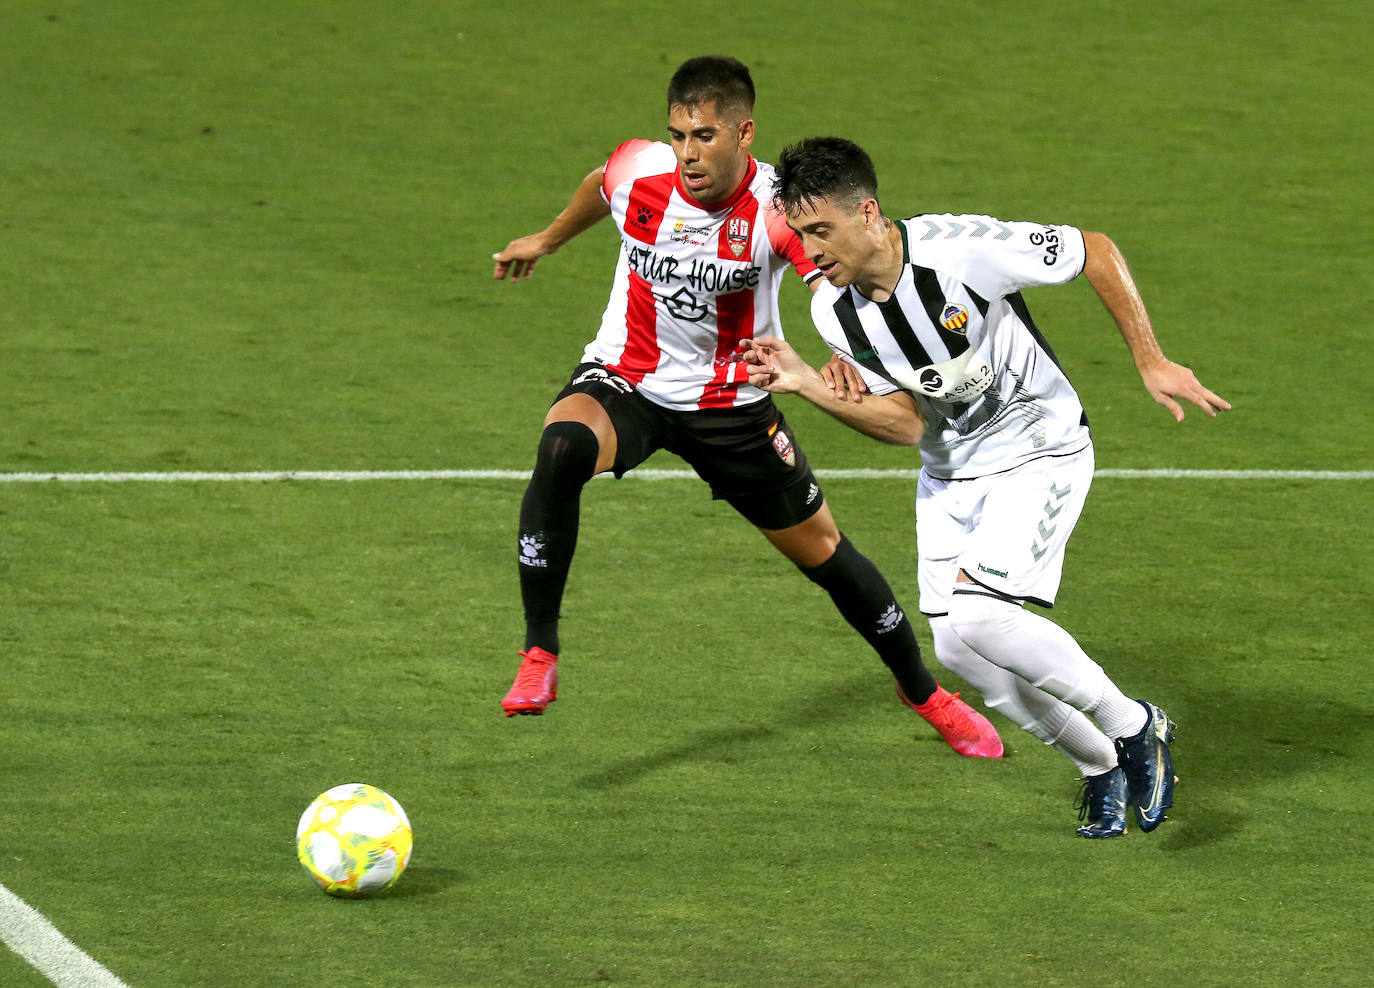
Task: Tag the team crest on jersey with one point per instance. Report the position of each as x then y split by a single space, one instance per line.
737 235
954 318
782 445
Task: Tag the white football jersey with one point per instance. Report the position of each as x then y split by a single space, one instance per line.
957 335
691 282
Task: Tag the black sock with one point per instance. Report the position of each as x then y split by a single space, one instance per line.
869 605
548 526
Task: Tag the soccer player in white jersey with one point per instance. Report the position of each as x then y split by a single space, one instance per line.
703 252
926 316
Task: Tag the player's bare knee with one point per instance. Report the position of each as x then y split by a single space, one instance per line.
811 543
818 546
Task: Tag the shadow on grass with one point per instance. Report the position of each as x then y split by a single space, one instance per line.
1231 747
425 880
1236 740
1245 749
835 704
1196 826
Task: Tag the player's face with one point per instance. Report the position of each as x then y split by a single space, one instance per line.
712 150
839 241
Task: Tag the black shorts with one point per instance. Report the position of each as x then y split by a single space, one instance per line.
747 455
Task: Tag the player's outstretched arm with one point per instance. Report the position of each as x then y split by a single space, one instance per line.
774 366
584 209
1166 381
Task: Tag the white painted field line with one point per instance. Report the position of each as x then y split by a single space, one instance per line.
349 476
183 477
33 938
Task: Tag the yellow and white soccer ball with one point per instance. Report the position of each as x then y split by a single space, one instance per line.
354 840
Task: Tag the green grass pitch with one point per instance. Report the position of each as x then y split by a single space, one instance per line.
256 236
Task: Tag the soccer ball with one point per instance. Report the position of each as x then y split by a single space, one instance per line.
354 840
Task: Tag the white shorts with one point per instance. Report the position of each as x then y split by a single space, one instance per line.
1007 531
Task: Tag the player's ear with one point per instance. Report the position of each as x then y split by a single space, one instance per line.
746 133
870 211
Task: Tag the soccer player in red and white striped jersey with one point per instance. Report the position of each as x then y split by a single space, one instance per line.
690 269
703 254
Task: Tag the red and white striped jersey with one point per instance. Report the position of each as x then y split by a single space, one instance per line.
691 282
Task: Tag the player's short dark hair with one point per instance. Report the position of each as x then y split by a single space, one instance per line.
715 79
824 168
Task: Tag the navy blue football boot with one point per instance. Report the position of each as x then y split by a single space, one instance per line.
1149 767
1102 802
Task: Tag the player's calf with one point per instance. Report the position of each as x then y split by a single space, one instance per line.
549 518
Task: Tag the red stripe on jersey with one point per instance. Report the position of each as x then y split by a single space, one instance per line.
641 354
648 202
786 243
735 322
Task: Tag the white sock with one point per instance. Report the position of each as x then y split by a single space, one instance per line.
1045 655
1046 717
1086 746
1120 717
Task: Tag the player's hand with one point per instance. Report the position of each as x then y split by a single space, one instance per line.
518 258
1167 381
844 380
757 363
773 365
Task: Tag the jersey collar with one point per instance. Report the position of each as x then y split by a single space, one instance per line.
731 201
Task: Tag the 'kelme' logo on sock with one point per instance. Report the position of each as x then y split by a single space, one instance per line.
531 551
890 618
